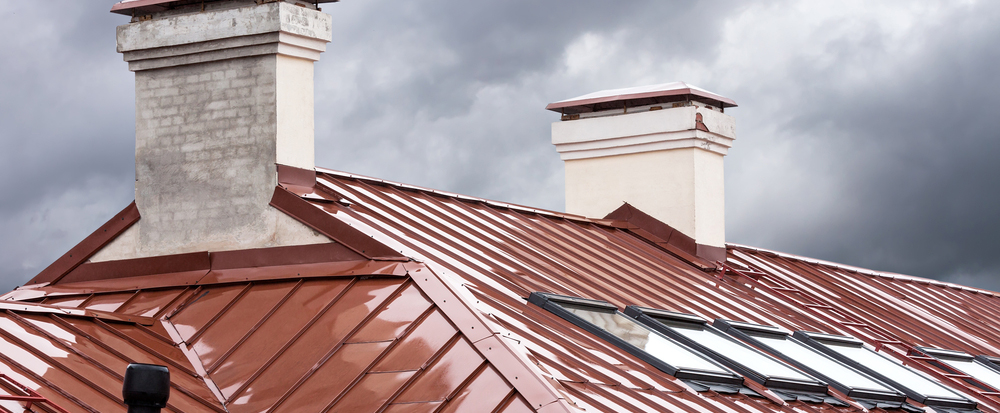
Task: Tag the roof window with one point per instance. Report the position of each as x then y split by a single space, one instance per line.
980 368
852 352
694 332
779 343
604 320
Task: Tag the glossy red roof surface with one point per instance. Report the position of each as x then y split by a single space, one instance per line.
447 328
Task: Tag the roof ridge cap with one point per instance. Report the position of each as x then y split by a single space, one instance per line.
512 365
862 270
490 202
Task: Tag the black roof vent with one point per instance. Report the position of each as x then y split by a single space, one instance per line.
146 388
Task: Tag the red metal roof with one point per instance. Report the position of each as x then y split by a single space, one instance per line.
638 96
448 328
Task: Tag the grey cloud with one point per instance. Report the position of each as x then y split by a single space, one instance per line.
912 148
855 146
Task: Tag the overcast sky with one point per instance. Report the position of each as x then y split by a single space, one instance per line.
868 132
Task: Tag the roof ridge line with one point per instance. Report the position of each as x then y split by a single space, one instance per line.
861 270
513 366
28 307
501 204
89 246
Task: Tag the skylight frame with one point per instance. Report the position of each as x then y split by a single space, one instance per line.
650 317
989 361
942 356
740 331
816 340
554 304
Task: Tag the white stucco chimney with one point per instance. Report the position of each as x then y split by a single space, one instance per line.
659 148
224 102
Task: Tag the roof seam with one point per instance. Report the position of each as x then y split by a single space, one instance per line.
505 361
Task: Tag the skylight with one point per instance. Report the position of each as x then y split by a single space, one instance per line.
604 320
968 365
694 332
841 377
853 352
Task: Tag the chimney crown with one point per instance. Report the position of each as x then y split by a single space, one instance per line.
150 9
674 93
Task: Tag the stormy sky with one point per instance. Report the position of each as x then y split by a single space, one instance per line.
868 133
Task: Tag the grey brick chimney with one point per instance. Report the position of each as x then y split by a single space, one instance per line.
224 95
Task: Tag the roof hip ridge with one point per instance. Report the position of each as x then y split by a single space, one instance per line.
512 365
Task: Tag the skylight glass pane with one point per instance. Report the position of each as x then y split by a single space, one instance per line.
822 364
748 357
893 371
646 339
974 369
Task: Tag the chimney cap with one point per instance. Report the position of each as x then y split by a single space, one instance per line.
638 96
133 7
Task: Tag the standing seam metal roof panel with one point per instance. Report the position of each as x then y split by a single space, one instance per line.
261 326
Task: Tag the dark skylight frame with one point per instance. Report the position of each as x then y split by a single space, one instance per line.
979 367
988 361
672 324
754 334
829 343
564 307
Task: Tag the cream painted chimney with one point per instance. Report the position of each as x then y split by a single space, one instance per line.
658 148
224 95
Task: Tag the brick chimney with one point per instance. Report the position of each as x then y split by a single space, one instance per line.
658 148
224 102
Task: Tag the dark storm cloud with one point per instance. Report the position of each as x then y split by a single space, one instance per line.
451 94
867 133
911 147
66 135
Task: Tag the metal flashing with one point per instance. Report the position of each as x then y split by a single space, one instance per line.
658 314
725 325
515 368
948 354
34 308
663 235
828 338
195 262
322 222
89 246
291 175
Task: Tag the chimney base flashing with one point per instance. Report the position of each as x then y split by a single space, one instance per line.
710 253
